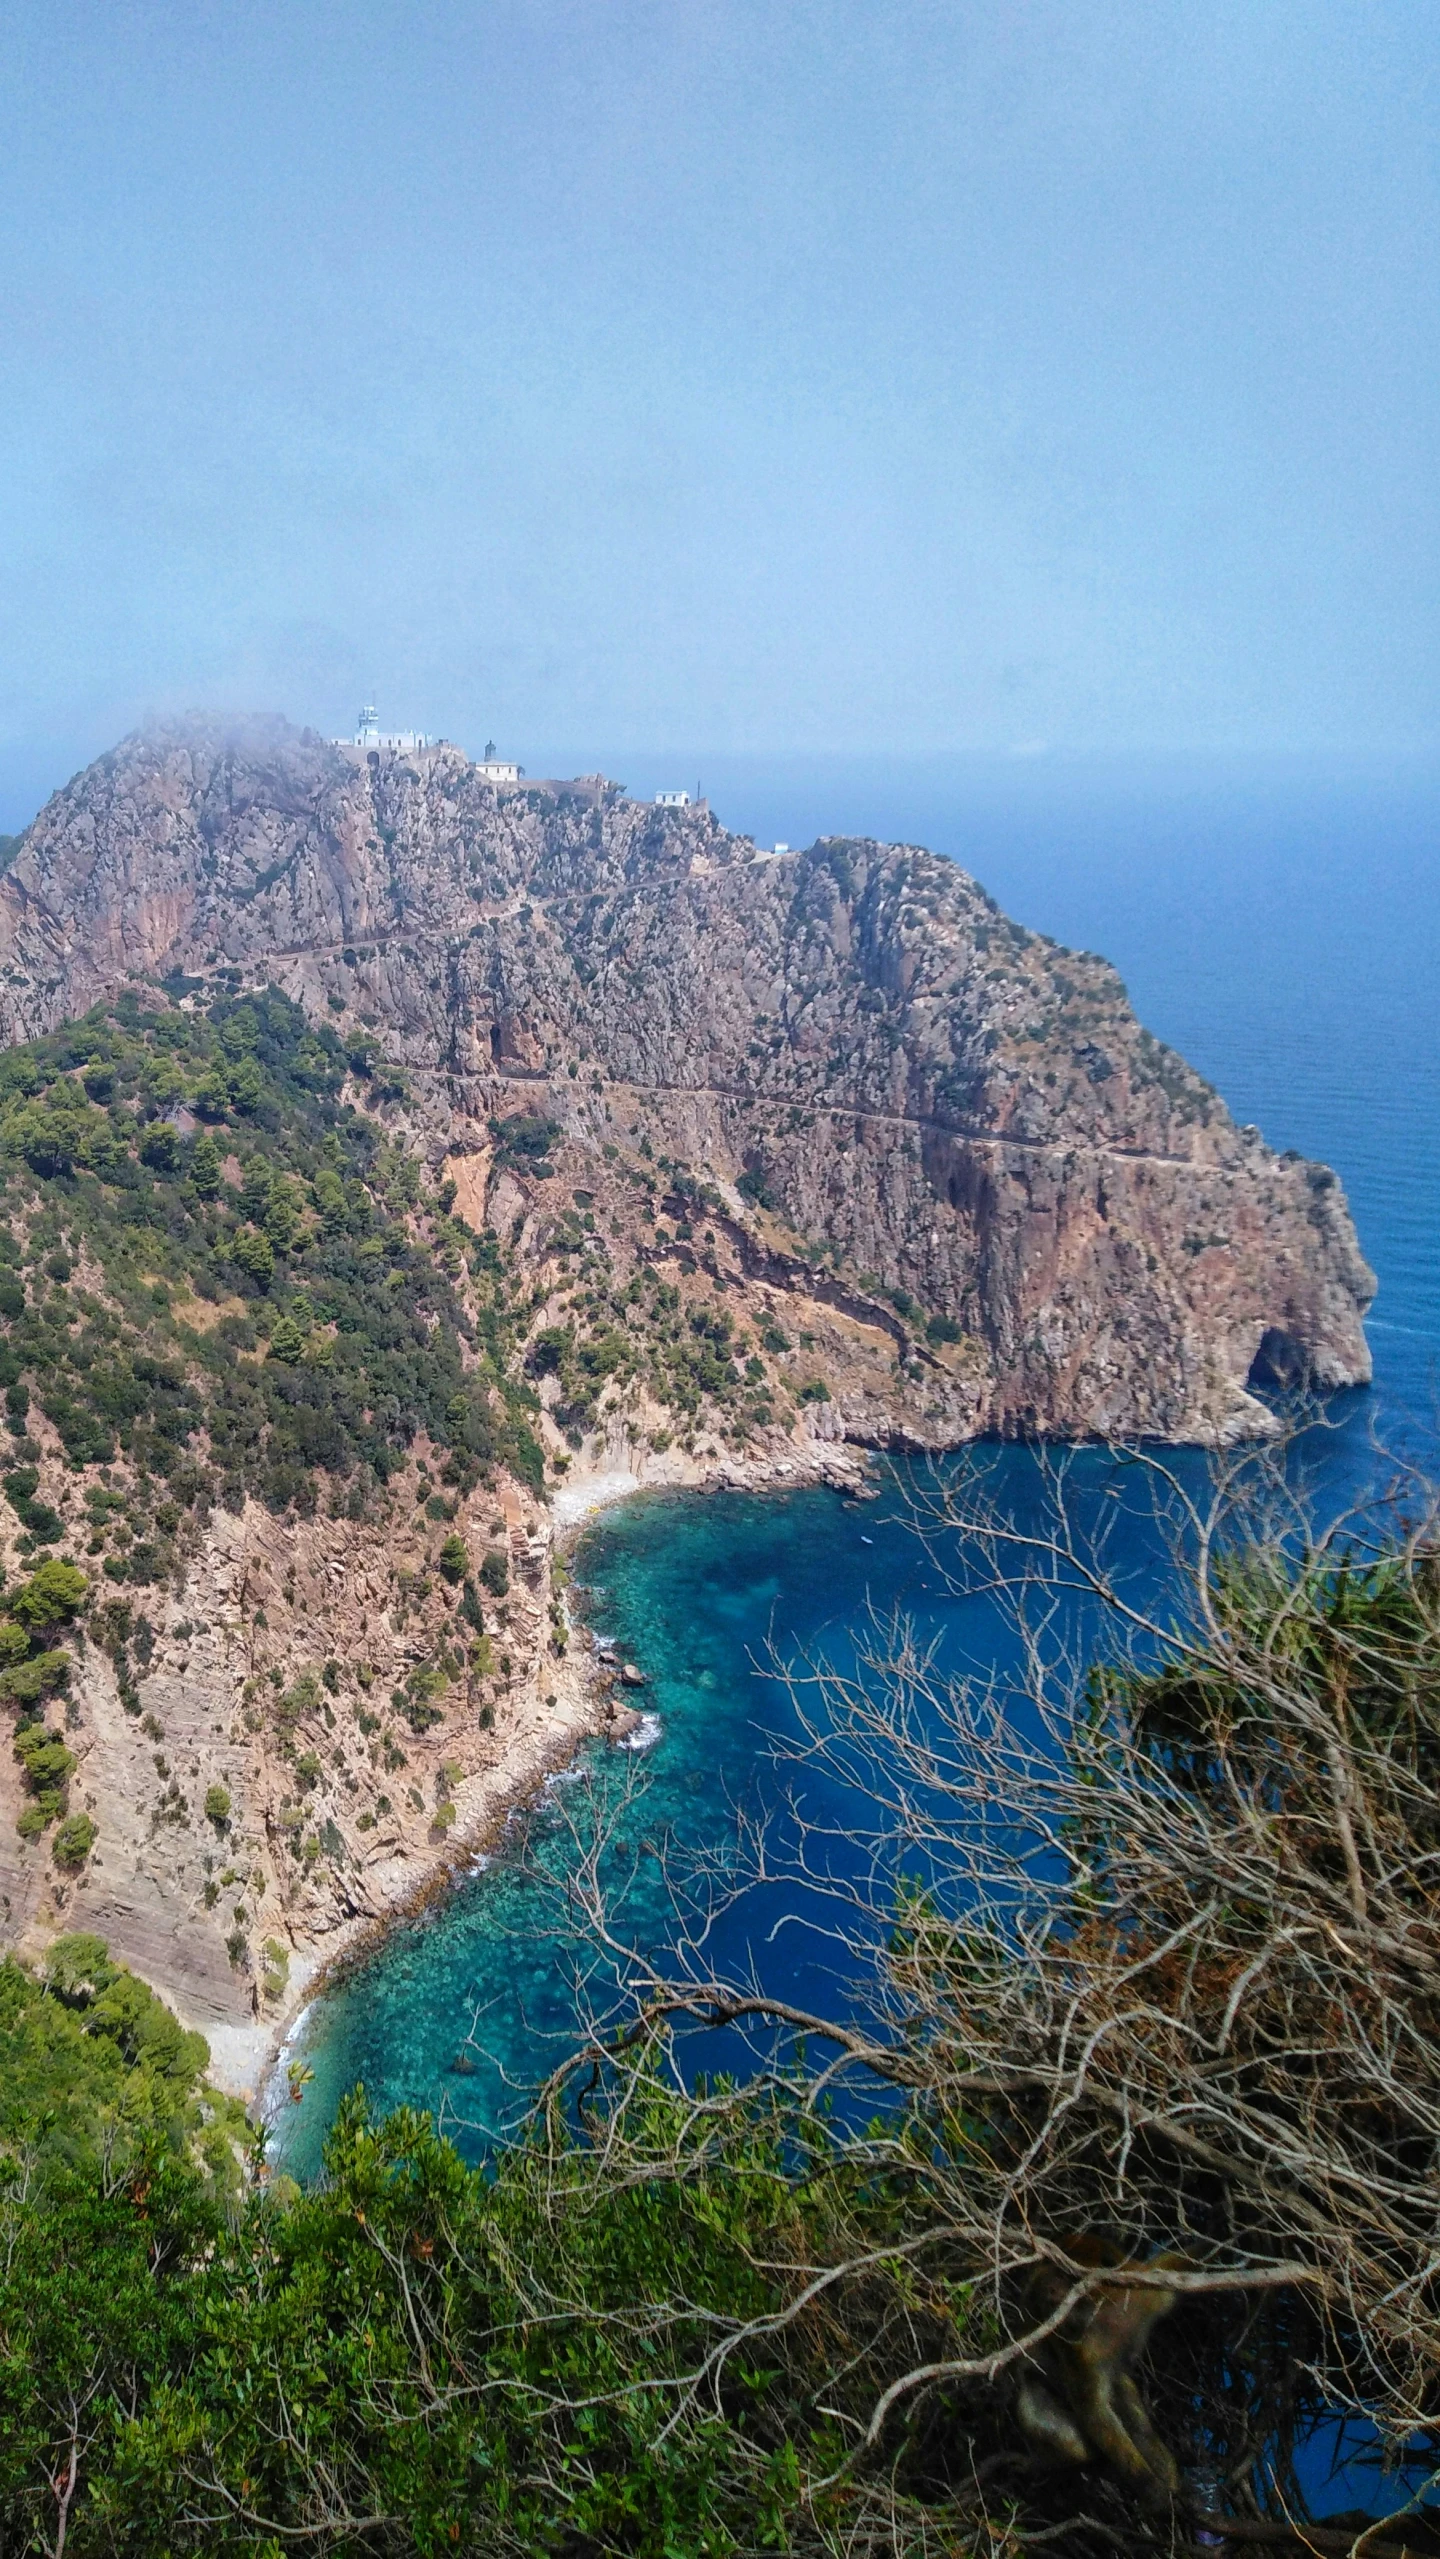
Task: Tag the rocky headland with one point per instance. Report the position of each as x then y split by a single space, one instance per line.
738 1164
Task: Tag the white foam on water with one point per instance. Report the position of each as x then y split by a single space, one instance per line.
277 2095
646 1734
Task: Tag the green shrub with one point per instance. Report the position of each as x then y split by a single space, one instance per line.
62 1135
416 1700
74 1840
46 1765
217 1805
524 1138
43 1755
52 1595
205 1167
255 1256
275 1974
287 1342
454 1558
247 1089
26 1682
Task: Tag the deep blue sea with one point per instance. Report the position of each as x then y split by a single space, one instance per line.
1281 926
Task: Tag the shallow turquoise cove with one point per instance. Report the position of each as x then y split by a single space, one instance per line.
717 1596
464 2009
1290 944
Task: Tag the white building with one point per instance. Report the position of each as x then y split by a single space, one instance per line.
672 799
493 768
371 739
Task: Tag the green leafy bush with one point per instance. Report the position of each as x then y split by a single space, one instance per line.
40 1675
254 1254
74 1840
51 1597
524 1138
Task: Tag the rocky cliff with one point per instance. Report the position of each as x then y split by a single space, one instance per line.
999 1202
382 1157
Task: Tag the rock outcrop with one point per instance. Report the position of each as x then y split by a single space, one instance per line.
729 1160
906 1106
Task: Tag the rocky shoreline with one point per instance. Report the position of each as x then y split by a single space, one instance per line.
732 1168
247 2061
244 2059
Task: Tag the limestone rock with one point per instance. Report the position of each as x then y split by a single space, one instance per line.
919 1098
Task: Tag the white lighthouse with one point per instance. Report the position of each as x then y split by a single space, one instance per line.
371 739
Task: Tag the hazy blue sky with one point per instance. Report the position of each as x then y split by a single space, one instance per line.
748 374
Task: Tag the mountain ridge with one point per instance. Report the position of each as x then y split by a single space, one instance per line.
920 1086
389 1163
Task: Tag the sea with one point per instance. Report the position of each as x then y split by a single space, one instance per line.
1278 922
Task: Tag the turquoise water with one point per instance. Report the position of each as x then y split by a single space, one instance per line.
716 1594
1284 931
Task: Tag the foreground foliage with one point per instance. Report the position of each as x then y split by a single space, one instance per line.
1151 2021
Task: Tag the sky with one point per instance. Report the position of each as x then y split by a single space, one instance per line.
752 377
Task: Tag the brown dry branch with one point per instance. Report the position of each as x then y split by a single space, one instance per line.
1141 1958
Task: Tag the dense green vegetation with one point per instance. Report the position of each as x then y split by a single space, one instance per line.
215 1268
97 2078
34 1680
385 2349
738 2319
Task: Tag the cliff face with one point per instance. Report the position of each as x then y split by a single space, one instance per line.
920 1101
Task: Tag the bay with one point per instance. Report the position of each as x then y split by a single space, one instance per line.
1281 926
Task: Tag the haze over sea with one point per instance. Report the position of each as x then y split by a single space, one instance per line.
1279 924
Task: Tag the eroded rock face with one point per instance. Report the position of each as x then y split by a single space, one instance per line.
940 1102
337 1827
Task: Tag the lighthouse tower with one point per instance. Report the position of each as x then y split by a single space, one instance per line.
371 739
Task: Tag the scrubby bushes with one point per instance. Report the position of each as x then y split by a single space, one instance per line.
74 1840
36 1671
267 1308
